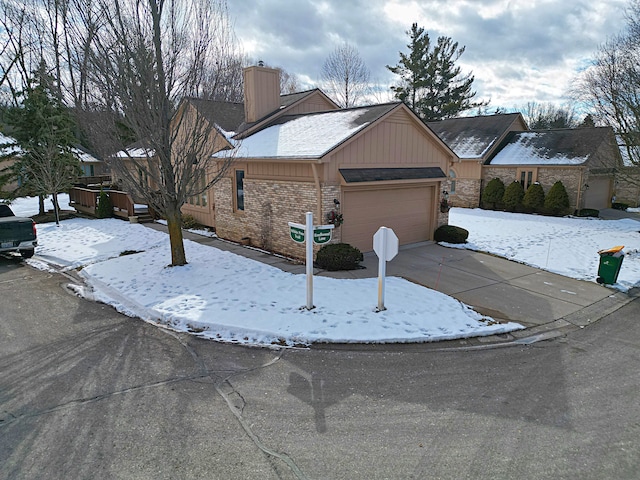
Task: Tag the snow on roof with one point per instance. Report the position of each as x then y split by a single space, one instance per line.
7 145
471 147
306 136
532 148
135 153
84 156
473 137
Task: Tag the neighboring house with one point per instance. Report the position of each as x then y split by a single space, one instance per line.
584 159
90 165
474 140
377 166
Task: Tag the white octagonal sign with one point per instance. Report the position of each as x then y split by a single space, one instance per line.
385 243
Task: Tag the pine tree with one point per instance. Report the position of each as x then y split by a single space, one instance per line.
557 201
431 84
493 193
43 129
534 198
512 198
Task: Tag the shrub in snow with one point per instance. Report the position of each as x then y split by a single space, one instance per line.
450 234
189 221
557 201
104 208
493 193
619 206
513 195
338 256
588 212
533 200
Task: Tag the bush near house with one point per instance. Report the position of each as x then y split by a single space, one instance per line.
619 206
189 221
533 200
492 194
512 198
588 212
338 256
104 209
557 200
451 234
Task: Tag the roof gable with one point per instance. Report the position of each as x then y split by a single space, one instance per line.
551 147
476 137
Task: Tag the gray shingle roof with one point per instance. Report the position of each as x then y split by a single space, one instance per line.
355 175
551 147
473 137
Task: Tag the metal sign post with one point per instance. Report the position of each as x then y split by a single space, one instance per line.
385 245
308 234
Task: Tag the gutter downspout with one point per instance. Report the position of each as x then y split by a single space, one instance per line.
316 180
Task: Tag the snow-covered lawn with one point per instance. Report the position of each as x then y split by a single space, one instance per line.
225 296
568 246
228 297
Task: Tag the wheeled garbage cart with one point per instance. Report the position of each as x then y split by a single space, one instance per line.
610 263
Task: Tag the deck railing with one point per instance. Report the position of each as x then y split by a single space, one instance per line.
86 200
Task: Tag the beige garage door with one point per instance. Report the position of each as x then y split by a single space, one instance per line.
598 195
406 210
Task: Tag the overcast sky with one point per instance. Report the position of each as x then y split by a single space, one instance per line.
518 50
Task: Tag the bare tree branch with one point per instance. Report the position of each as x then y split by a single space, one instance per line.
345 76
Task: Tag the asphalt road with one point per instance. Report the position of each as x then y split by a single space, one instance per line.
86 393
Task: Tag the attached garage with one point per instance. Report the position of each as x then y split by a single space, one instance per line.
598 195
373 198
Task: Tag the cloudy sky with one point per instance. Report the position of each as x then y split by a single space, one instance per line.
518 50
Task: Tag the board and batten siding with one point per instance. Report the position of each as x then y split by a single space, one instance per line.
396 142
316 103
285 170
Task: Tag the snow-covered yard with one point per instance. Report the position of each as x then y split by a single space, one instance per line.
568 246
228 297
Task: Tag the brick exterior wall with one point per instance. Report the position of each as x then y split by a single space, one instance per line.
269 206
627 187
570 177
467 193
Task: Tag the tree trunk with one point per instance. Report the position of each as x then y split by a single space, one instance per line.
41 205
174 224
56 208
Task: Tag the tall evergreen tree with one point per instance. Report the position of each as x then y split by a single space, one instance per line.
431 84
43 129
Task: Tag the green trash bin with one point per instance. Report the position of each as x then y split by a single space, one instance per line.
610 263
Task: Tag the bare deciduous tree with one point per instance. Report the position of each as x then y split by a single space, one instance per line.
611 85
345 77
545 116
146 59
